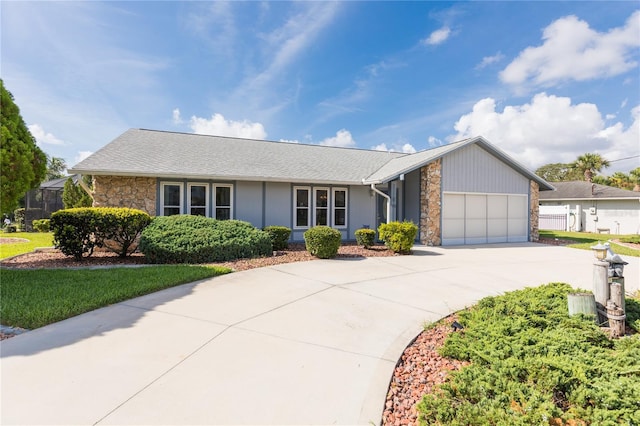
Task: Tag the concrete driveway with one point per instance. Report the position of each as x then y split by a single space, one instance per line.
303 343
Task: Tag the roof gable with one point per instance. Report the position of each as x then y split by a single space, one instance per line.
581 190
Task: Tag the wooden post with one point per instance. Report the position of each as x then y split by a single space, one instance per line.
616 319
616 289
601 289
582 303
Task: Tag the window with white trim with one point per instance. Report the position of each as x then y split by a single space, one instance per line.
321 207
198 199
339 207
301 205
170 198
223 201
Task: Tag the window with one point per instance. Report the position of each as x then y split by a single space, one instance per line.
301 207
170 198
339 207
198 204
223 195
321 206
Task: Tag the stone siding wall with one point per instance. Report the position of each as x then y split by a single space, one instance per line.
124 191
430 204
534 212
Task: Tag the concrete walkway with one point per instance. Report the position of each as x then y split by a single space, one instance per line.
303 343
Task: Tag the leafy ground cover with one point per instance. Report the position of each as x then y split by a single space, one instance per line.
584 240
34 298
531 364
36 239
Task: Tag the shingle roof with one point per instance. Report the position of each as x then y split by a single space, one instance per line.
580 190
140 152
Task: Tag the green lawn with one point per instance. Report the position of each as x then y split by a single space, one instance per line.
584 240
36 239
34 298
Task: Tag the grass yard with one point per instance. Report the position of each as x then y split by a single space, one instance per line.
584 240
34 298
532 364
36 239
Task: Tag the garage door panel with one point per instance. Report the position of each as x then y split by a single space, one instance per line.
453 219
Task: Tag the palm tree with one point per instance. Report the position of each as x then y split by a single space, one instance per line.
634 175
589 164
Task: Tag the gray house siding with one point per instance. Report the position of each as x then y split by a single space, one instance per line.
278 207
472 169
249 205
362 210
411 198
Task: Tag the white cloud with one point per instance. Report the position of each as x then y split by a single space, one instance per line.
81 155
177 118
549 129
488 60
342 139
217 125
289 141
406 148
434 142
438 36
42 137
573 51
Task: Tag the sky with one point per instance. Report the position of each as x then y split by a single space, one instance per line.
543 81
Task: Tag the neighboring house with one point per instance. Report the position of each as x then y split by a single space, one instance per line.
593 208
44 200
467 192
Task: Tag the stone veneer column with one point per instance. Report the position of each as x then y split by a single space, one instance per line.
534 211
125 191
430 203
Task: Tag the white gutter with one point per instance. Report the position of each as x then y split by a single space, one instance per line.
377 191
84 186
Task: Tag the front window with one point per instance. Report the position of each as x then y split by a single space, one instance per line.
171 199
301 207
223 202
198 199
321 203
339 207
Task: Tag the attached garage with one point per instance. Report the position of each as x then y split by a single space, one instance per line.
472 218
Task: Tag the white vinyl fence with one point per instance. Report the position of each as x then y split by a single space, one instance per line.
555 218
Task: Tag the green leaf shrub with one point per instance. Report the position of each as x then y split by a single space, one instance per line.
323 241
18 217
77 232
41 225
198 239
74 231
533 364
279 236
398 236
365 237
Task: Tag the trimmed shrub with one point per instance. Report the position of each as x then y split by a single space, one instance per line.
74 231
322 241
279 236
398 236
365 237
119 228
41 225
18 218
198 239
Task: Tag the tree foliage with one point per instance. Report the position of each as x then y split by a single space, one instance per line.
56 167
589 164
73 196
23 164
558 172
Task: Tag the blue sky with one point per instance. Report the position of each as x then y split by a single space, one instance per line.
544 81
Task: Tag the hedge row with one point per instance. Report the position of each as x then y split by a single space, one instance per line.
77 232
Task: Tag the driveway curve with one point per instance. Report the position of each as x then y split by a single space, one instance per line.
302 343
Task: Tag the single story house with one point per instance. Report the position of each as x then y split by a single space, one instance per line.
467 192
592 207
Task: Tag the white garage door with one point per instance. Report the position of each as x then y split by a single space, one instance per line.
484 218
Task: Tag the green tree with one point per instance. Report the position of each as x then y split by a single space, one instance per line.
634 175
589 164
56 167
22 164
620 180
74 196
558 172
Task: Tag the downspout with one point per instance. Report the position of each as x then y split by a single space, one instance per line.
377 191
85 187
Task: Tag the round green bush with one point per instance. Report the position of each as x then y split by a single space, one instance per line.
398 236
322 241
279 236
365 237
41 225
197 239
